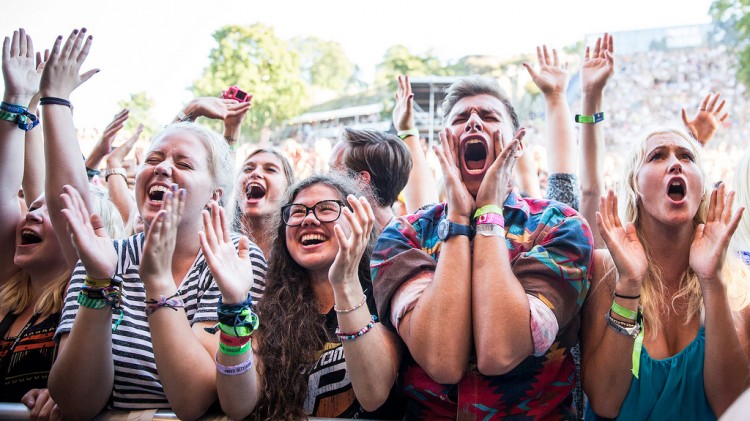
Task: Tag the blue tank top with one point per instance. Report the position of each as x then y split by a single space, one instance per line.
668 389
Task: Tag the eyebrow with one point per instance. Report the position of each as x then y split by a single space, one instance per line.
480 110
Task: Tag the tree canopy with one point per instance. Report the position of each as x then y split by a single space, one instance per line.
733 19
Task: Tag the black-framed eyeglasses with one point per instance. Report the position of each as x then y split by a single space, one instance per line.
325 211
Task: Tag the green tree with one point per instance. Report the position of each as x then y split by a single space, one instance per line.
324 63
398 60
732 17
140 106
256 60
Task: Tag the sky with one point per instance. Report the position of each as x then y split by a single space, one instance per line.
161 47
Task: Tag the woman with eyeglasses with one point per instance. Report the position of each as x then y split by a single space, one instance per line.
318 349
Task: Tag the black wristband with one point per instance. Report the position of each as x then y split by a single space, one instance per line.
50 100
627 297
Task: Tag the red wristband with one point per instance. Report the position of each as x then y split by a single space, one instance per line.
230 340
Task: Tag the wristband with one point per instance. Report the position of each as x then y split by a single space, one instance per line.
403 134
230 340
117 171
590 119
91 173
633 332
18 115
234 370
627 297
182 117
233 351
488 209
97 283
624 312
50 100
491 218
490 230
349 310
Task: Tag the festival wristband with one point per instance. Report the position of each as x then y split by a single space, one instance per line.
230 340
490 230
97 283
233 351
590 119
491 218
403 134
236 330
624 312
234 370
488 209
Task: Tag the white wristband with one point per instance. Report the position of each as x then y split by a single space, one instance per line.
490 230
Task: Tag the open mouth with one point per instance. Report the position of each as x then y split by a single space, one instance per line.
475 155
676 190
312 239
156 193
29 237
255 191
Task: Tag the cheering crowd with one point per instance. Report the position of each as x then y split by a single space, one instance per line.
370 290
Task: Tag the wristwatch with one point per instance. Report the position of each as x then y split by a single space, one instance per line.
447 229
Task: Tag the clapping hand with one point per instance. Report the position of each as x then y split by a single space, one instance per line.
352 247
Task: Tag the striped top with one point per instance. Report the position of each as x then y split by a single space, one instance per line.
136 382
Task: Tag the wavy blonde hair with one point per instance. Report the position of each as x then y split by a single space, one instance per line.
654 296
17 294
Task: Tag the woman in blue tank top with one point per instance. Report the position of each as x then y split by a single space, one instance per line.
667 311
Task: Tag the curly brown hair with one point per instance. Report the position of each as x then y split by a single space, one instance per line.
292 329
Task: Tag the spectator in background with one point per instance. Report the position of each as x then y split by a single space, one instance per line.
741 238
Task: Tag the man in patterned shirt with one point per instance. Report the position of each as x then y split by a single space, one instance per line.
488 320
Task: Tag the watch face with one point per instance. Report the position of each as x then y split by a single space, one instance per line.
443 229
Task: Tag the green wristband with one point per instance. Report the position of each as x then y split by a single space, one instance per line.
234 350
624 312
95 303
236 330
488 209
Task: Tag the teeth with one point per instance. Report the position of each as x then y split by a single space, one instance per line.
28 232
312 237
676 183
158 188
473 141
251 185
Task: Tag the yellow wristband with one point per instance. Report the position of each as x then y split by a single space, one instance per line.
488 209
98 283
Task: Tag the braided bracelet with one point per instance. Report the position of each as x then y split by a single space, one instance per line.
352 336
170 302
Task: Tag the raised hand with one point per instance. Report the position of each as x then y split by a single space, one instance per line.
230 267
41 61
114 126
89 236
706 120
403 112
460 202
161 238
19 70
118 154
710 242
236 112
624 246
598 66
552 79
351 248
62 72
495 186
210 107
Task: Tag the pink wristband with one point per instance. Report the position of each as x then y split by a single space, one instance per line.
491 218
234 370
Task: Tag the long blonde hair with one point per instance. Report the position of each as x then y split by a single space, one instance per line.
17 294
654 295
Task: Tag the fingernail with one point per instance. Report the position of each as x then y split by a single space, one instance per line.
75 31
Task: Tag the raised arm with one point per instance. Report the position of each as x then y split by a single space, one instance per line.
442 349
421 189
706 120
238 381
33 165
62 151
117 179
236 112
607 354
373 359
21 82
597 68
189 381
726 367
552 80
496 292
104 145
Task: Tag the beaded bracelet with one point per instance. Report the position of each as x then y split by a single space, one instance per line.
234 370
170 302
352 336
349 310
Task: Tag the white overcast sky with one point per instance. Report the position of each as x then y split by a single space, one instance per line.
162 46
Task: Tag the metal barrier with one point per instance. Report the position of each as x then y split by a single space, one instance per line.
18 412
